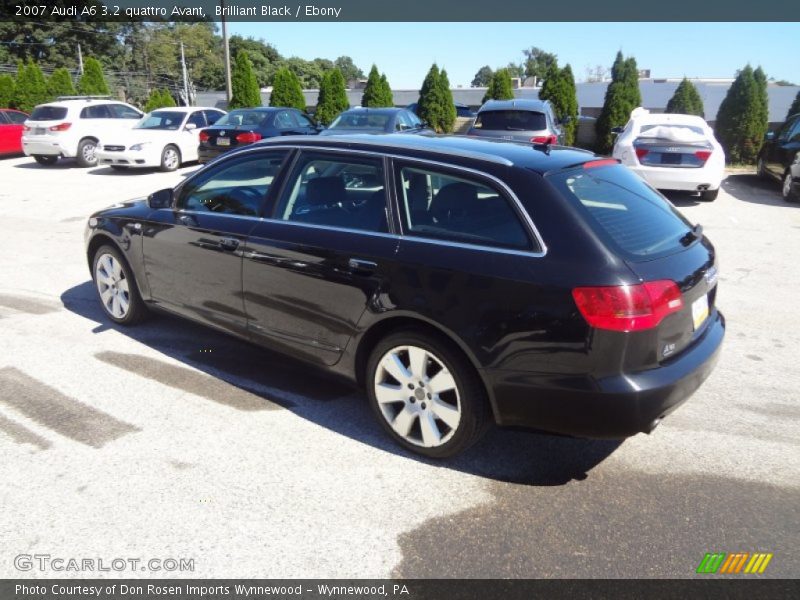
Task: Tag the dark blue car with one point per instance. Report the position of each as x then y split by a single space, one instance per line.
376 120
247 125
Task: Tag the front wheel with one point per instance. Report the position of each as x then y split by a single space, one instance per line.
116 287
87 156
45 160
709 195
787 189
426 394
170 158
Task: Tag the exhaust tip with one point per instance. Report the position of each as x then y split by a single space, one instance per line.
703 187
653 424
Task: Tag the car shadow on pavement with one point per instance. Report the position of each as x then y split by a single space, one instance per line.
682 198
751 188
62 163
504 455
119 172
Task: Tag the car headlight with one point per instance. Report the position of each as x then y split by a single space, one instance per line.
137 147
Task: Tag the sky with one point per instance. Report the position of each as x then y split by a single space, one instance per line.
405 51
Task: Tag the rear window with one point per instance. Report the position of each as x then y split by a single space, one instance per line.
48 113
244 118
621 207
511 120
360 121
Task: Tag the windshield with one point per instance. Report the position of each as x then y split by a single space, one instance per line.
360 121
161 119
621 207
511 120
244 118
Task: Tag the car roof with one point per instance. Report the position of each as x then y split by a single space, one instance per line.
516 104
384 110
81 102
265 109
186 109
537 158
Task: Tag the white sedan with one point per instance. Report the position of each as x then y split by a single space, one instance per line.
165 138
672 152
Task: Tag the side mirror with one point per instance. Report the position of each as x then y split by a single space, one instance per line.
190 126
616 130
160 199
769 136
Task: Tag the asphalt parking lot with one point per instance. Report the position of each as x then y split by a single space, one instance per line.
172 441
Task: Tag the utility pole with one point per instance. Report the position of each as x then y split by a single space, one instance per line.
80 60
185 77
228 85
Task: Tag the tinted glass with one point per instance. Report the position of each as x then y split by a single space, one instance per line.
235 187
329 190
212 116
48 113
511 120
162 119
303 120
283 120
121 111
15 117
97 111
619 205
4 120
197 119
446 207
360 120
244 118
794 134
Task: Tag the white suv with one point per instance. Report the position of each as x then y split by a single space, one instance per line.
71 128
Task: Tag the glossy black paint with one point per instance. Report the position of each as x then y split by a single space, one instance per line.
326 295
780 154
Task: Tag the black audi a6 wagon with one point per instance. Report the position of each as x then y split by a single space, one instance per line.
459 281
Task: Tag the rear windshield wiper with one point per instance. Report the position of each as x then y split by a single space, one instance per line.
694 234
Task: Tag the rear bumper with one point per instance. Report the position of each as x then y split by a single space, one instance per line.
45 147
614 407
680 179
206 154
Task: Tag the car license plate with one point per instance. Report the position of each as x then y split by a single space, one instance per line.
38 131
700 311
223 141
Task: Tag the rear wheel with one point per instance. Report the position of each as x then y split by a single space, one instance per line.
426 394
116 287
45 160
761 168
86 153
709 195
787 189
170 158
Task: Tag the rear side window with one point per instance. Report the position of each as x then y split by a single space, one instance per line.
120 111
97 111
48 113
443 206
621 207
511 120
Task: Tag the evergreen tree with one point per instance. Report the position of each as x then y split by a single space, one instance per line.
449 112
794 108
740 126
92 82
332 97
60 83
386 95
30 88
429 106
159 99
686 100
622 96
483 77
6 90
286 90
559 89
377 92
245 92
500 87
763 100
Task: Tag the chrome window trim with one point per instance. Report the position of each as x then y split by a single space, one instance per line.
515 200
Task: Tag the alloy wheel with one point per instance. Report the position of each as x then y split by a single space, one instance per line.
170 160
112 285
787 186
417 396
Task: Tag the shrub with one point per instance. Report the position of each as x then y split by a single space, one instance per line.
622 96
30 88
158 99
92 82
245 92
500 87
559 89
286 90
741 123
7 86
332 97
60 83
686 100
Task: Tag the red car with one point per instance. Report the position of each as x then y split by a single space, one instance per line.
11 131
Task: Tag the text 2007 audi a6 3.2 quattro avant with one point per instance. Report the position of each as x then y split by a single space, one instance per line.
458 280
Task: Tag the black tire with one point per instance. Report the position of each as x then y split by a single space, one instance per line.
86 156
167 162
709 195
472 399
787 188
137 309
45 160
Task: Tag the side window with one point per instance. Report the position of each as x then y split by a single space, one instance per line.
415 120
212 116
197 119
403 122
335 191
785 132
303 120
283 120
4 118
17 118
120 111
236 187
96 111
794 134
443 206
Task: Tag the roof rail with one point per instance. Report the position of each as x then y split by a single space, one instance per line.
83 97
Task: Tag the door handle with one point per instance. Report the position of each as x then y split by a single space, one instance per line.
229 244
364 267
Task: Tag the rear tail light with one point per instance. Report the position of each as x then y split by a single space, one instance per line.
641 153
60 127
248 138
628 307
544 139
204 136
703 154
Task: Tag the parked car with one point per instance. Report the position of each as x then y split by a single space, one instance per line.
462 110
672 152
71 128
11 124
779 158
165 138
247 125
532 121
376 120
458 280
